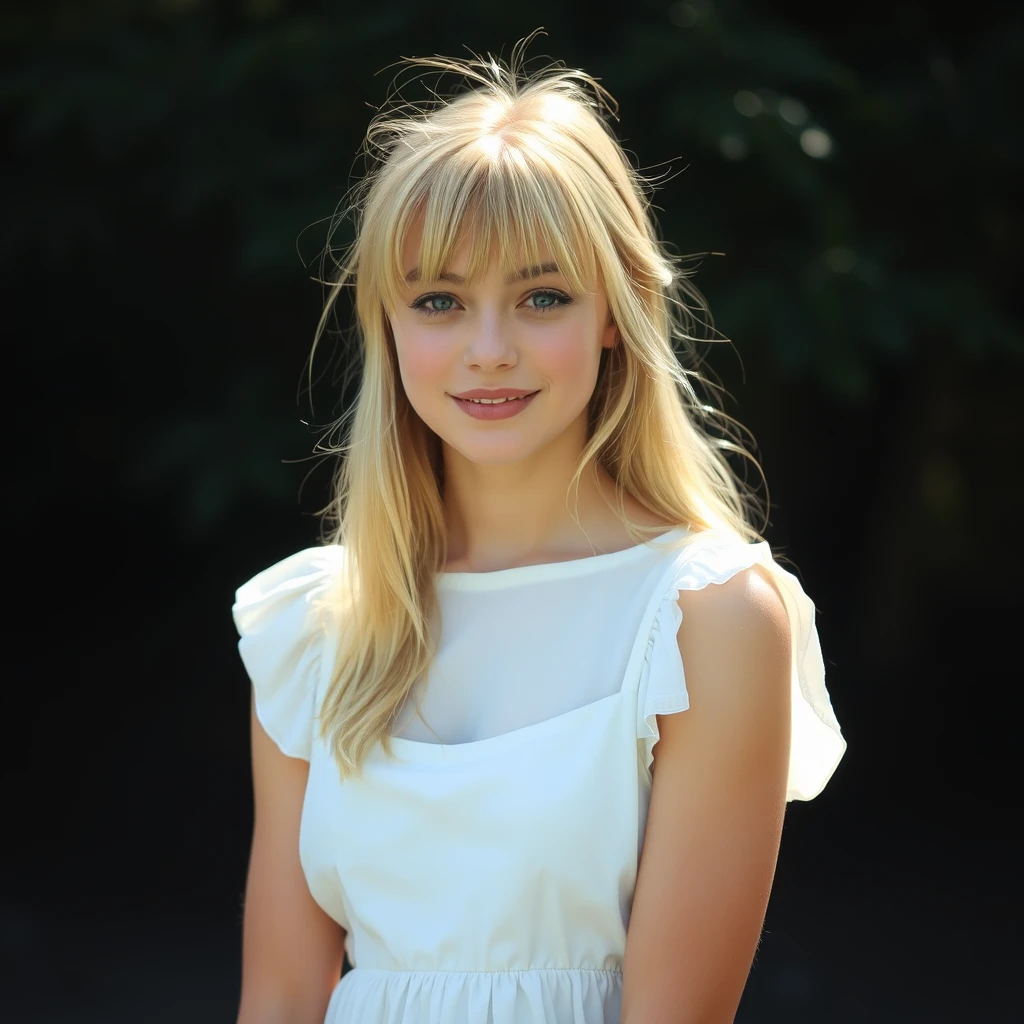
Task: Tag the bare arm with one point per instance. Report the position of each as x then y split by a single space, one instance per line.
717 805
291 950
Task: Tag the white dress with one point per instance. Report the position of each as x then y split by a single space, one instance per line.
487 875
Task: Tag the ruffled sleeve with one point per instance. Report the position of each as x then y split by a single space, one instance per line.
282 643
817 743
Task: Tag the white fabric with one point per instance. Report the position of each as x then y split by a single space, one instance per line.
468 872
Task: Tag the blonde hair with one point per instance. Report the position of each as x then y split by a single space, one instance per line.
527 161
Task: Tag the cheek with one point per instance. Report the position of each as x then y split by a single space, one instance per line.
571 360
422 363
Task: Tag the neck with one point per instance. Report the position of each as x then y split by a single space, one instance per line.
523 513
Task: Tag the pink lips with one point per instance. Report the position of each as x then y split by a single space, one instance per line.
501 411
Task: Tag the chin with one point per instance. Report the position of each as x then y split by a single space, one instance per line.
505 452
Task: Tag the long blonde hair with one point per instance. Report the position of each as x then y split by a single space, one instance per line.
519 161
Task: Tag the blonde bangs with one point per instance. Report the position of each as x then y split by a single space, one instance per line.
512 205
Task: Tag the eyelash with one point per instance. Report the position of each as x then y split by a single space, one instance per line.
420 305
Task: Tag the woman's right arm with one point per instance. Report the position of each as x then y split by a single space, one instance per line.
292 951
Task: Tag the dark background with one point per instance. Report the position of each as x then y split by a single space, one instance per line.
170 169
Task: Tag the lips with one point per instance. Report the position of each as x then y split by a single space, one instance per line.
497 400
494 393
495 410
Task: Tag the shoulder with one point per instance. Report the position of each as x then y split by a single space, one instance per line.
747 609
735 645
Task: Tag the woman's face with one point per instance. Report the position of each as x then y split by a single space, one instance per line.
532 334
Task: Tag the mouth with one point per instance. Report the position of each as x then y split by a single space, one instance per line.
494 408
496 401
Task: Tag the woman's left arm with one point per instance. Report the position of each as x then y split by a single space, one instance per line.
718 800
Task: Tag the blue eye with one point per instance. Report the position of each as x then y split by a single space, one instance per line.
421 304
439 303
553 300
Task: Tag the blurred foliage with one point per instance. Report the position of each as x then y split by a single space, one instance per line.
861 188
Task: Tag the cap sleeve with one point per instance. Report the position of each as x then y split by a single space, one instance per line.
816 744
281 643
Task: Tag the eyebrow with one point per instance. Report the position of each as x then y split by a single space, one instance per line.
524 274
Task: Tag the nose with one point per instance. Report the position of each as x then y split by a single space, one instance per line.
490 346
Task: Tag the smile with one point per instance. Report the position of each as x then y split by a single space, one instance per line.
493 408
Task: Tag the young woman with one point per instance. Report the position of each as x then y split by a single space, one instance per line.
470 763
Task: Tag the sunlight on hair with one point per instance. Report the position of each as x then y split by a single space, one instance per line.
491 144
559 109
